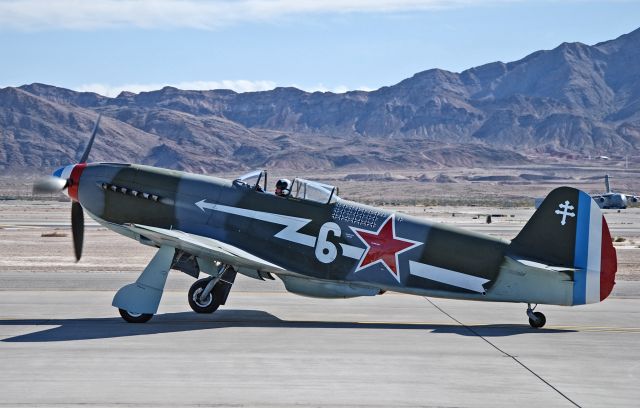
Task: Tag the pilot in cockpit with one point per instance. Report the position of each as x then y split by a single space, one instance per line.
283 187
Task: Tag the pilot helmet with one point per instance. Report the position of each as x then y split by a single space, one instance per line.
283 185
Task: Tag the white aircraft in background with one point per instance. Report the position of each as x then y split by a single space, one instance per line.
613 200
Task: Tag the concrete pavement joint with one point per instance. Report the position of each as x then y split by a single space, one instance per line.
502 351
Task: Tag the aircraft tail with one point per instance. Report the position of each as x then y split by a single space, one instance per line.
606 183
568 230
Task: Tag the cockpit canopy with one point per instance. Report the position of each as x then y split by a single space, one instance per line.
253 179
313 191
301 189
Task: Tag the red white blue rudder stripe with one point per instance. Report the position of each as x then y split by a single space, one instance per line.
587 259
595 258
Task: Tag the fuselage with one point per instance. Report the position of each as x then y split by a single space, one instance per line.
330 246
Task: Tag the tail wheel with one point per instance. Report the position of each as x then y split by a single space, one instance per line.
208 305
135 317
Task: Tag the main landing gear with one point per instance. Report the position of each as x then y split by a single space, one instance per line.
206 295
138 301
536 319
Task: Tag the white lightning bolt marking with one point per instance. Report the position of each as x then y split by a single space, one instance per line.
289 233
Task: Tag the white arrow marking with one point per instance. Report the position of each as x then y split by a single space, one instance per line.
351 251
453 278
289 233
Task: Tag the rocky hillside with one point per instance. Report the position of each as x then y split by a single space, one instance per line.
572 101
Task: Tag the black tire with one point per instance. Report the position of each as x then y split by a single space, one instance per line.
541 320
135 317
210 305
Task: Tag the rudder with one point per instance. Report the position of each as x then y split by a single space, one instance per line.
569 230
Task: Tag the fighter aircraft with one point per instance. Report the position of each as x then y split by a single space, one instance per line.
613 200
321 245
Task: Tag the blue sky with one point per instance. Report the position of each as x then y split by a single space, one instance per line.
110 45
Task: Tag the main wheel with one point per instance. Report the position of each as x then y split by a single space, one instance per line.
208 305
539 322
135 317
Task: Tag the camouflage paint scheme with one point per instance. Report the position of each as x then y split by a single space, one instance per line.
343 249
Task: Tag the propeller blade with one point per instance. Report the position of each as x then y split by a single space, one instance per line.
77 228
87 149
49 185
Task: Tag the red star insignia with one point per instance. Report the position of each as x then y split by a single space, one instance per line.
383 246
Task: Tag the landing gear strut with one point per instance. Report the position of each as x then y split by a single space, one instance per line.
138 302
536 319
206 295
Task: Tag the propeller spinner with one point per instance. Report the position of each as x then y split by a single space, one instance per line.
49 185
67 178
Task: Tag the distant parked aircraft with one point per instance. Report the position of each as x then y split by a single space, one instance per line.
613 200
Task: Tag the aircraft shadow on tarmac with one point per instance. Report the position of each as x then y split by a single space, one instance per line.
112 327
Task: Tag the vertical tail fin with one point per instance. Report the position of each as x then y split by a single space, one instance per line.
606 183
569 230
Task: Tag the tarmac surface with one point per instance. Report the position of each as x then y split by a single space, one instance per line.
62 344
271 348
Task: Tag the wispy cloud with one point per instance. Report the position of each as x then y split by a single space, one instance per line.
334 89
199 14
240 85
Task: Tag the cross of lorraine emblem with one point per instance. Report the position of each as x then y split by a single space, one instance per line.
565 207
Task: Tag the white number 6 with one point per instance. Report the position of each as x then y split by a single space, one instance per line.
326 251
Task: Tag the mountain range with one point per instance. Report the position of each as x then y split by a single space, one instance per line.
569 102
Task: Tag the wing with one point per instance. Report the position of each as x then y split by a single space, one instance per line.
204 247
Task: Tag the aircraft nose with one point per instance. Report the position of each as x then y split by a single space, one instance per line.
72 174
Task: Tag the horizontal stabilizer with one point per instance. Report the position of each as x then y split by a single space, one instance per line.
540 265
